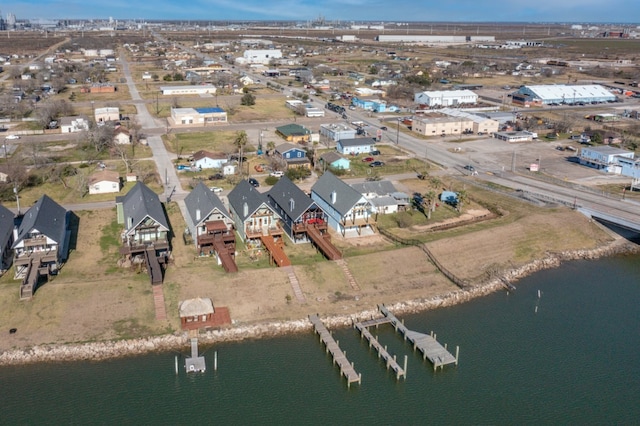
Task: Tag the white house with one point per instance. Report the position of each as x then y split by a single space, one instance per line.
104 182
355 146
246 80
445 98
74 124
209 160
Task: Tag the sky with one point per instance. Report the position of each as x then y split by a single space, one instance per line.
579 11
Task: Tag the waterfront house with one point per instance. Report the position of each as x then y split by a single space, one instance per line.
7 223
383 195
195 313
211 227
252 215
146 229
347 210
41 243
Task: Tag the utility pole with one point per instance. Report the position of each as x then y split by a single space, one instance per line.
398 132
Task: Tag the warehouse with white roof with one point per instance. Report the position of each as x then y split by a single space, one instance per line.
445 98
565 94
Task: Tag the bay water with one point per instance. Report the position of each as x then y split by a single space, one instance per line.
564 348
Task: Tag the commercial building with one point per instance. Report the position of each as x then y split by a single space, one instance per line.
445 98
437 124
604 158
565 94
335 132
514 136
102 115
263 56
197 116
202 89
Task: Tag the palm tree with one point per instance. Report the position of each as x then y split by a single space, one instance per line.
240 142
431 196
462 198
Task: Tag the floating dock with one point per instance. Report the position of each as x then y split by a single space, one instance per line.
389 360
427 344
339 357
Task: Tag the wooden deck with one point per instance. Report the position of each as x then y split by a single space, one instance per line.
339 357
323 243
427 344
382 351
275 251
153 266
227 260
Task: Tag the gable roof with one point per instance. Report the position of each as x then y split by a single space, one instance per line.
206 154
290 198
381 187
356 142
243 194
48 217
284 147
141 202
104 176
203 199
331 157
346 196
7 222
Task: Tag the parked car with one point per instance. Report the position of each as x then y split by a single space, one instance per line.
12 137
376 164
183 167
470 168
216 189
383 128
368 159
375 152
277 173
217 176
254 182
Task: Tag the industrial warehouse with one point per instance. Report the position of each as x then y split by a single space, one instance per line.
556 94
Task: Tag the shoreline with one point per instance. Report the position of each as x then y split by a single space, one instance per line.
99 351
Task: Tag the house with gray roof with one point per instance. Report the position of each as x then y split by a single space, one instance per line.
7 224
145 223
355 146
383 195
41 239
252 214
210 224
347 210
295 208
293 155
335 160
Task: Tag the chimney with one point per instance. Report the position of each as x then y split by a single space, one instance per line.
198 215
334 197
292 204
245 210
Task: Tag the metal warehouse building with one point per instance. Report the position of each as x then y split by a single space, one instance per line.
564 94
445 98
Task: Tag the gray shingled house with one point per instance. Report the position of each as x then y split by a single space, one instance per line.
7 224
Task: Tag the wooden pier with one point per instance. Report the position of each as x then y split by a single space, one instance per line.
339 357
427 344
389 360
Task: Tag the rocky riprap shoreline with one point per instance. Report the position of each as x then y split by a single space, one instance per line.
97 351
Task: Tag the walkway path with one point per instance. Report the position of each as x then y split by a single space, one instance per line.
158 300
345 268
295 284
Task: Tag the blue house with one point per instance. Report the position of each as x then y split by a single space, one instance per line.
293 155
355 146
335 160
376 105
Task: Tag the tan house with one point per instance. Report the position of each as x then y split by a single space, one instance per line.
437 124
102 115
122 136
104 182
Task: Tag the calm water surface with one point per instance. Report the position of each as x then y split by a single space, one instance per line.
571 356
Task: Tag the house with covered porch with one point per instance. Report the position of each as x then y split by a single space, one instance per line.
211 227
347 210
145 233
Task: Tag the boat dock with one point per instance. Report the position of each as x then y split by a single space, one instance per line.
195 363
339 357
382 351
427 344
